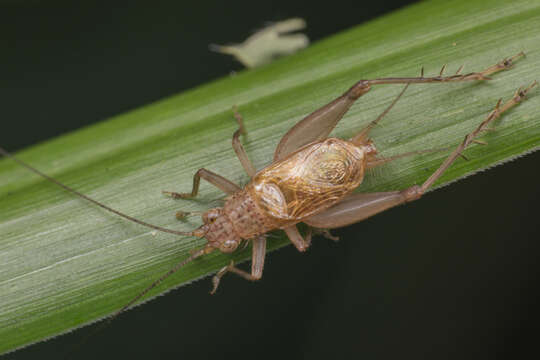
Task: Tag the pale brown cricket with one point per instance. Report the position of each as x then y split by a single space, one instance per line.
310 180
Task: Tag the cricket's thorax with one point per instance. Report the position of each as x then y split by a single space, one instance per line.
308 181
240 218
246 216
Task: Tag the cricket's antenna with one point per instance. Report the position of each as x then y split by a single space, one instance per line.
371 163
73 191
178 266
193 256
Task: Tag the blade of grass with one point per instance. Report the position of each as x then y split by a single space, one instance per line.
65 263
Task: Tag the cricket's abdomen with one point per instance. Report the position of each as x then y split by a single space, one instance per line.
308 181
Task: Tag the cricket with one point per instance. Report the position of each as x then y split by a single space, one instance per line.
311 179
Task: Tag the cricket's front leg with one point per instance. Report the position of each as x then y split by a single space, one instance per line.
239 148
218 181
257 264
357 207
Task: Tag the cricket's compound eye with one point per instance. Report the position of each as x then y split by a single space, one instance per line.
228 246
211 215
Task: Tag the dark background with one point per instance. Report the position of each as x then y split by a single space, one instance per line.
452 276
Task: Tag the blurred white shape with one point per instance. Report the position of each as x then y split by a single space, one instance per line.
268 43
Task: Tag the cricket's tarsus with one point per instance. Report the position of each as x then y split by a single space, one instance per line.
310 180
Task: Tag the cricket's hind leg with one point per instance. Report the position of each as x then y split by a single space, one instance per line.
319 124
504 64
357 207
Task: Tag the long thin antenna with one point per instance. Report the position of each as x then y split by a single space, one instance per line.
382 160
177 267
103 325
73 191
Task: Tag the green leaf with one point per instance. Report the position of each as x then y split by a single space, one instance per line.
65 262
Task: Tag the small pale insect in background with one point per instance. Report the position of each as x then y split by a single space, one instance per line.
273 41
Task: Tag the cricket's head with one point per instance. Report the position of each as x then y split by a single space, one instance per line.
219 231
